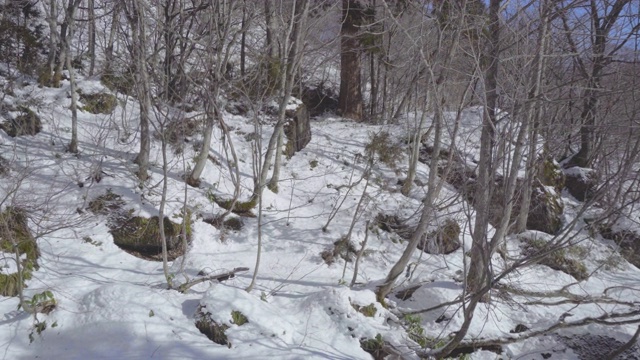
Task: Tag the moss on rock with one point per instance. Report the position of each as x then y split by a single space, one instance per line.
557 259
444 240
140 236
14 230
27 123
99 103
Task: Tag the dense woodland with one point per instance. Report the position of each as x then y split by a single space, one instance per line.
555 86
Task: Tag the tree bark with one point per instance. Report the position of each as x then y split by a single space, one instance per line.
350 101
136 17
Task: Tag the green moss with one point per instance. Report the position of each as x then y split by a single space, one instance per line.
551 174
14 229
557 259
233 223
100 103
368 311
239 207
143 234
416 331
375 347
313 164
238 318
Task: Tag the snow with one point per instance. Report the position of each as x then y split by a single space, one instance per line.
114 305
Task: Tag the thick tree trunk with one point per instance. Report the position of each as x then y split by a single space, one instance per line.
350 101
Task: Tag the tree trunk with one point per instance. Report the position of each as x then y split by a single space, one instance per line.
479 275
52 19
108 51
136 17
289 69
350 101
70 21
533 110
92 36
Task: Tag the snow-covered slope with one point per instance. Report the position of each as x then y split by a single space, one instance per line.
112 305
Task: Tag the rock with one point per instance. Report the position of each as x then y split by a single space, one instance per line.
581 182
444 240
545 211
627 239
320 100
14 227
141 237
27 123
210 328
519 328
550 173
99 103
297 129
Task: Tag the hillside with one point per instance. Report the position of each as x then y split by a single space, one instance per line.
104 256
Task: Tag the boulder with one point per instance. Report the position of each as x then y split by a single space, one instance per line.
627 238
140 237
297 129
581 182
320 100
444 240
27 123
545 211
98 103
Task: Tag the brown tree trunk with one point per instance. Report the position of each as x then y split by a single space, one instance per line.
350 102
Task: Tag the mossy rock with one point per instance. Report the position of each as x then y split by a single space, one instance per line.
106 204
550 173
377 347
368 310
123 83
210 328
342 248
99 103
557 259
233 223
241 208
27 123
545 211
14 229
444 240
140 236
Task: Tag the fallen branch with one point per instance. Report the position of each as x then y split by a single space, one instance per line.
220 277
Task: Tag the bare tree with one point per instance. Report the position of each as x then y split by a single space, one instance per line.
136 16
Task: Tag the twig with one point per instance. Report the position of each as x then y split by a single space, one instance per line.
220 277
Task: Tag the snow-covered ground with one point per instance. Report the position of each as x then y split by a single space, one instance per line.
112 305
